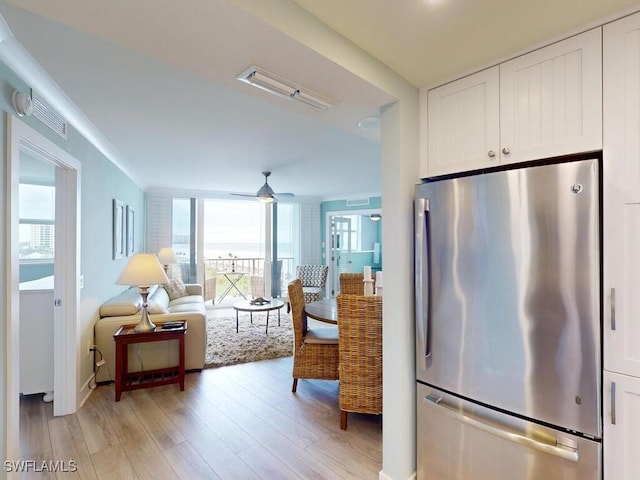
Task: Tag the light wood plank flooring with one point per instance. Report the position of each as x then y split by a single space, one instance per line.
237 422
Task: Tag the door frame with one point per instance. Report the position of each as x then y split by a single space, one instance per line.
336 251
66 338
327 236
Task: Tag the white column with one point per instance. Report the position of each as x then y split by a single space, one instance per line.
400 162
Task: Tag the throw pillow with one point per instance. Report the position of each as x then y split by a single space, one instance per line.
156 308
176 289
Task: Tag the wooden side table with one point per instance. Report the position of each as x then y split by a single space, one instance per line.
125 336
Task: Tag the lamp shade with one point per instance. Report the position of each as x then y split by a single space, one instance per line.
143 269
167 256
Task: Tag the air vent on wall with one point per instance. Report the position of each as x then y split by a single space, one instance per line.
47 115
357 202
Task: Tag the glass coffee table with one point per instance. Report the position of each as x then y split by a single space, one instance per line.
247 306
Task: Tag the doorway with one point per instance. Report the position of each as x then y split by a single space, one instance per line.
236 252
352 240
23 139
340 250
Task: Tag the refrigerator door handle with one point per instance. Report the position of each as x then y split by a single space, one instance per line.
423 267
557 450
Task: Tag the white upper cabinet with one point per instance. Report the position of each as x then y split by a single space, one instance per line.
551 100
621 191
463 119
542 104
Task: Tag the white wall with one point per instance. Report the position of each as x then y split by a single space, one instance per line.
101 182
310 250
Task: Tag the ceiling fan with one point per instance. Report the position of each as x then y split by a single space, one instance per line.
265 193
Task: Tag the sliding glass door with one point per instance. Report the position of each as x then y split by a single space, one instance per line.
235 248
183 238
286 249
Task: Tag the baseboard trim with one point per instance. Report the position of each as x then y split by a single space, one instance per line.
384 476
86 390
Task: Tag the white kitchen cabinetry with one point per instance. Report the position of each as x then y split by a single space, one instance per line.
551 100
542 104
621 418
462 119
36 340
621 248
621 202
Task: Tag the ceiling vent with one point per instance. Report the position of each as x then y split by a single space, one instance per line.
269 82
357 202
48 115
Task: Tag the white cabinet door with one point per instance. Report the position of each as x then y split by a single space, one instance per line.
621 190
551 100
621 417
462 124
543 104
36 341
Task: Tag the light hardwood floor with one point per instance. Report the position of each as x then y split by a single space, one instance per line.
237 422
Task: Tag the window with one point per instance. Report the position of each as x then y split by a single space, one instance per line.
37 223
230 235
287 234
233 228
183 237
364 232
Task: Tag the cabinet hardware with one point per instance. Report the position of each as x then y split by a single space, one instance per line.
613 309
491 154
613 403
506 150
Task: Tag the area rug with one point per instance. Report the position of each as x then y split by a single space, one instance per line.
226 347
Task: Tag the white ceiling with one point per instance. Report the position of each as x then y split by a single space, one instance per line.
430 41
157 78
172 108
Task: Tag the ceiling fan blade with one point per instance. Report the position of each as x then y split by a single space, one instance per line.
243 195
266 193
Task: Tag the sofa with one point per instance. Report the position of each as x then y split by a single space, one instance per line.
125 309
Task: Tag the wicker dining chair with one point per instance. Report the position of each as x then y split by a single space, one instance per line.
360 345
352 283
315 351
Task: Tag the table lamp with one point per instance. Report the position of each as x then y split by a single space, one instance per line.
167 256
143 270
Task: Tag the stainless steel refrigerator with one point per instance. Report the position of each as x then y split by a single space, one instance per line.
508 324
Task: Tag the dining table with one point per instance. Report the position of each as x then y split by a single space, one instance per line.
325 310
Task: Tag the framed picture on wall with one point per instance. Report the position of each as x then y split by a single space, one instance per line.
130 230
118 229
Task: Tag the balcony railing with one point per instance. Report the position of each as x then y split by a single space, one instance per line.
221 278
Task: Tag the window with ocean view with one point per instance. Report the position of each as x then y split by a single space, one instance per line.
233 228
236 244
